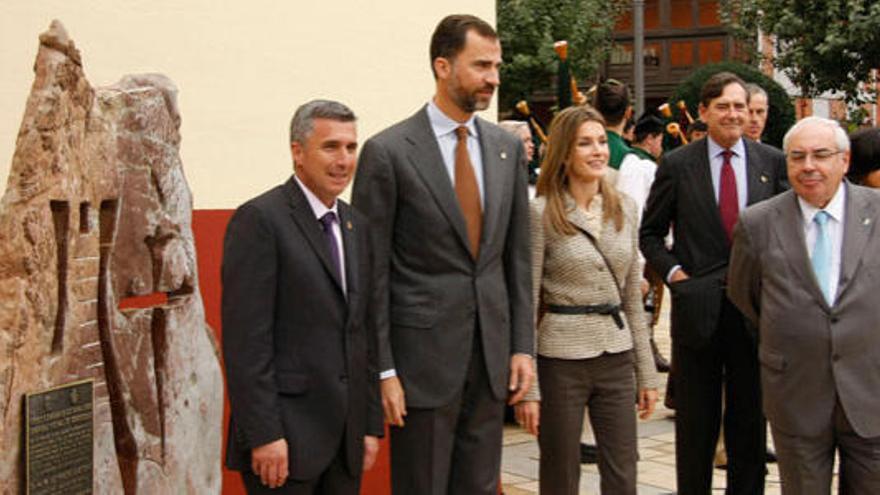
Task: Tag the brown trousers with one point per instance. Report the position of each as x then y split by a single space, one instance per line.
606 385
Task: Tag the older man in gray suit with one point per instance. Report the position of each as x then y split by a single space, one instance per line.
804 269
446 196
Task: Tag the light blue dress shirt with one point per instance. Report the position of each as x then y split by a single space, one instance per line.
835 210
737 161
444 130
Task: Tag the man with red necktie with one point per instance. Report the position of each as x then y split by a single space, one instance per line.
699 191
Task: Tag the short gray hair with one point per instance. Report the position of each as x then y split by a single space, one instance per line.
302 123
753 89
512 126
840 137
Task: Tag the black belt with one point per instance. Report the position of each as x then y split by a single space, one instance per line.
612 310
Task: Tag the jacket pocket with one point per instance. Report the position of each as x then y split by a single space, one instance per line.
291 383
412 318
771 359
696 307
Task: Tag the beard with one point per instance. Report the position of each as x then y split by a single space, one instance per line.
470 101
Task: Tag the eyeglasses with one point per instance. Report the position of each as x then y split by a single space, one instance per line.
820 156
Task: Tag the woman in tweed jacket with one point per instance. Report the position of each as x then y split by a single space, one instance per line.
592 336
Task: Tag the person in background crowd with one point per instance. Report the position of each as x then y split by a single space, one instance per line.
864 165
638 167
446 196
521 130
759 108
611 99
700 189
635 179
592 339
804 272
629 131
299 355
697 130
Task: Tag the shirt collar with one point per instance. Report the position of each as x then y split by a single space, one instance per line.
318 207
834 208
715 149
441 124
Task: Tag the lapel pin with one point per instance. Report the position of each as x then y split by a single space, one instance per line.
348 225
764 179
503 155
866 221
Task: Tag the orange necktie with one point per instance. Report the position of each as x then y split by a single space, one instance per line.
467 191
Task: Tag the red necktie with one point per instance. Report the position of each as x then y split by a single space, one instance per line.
467 191
728 202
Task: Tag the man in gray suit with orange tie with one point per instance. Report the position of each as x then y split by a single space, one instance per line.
804 269
446 196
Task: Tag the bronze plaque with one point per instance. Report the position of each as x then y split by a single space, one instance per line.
59 439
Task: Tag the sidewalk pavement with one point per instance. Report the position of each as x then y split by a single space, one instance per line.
656 468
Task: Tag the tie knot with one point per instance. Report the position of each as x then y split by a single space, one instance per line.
462 132
821 217
727 153
327 220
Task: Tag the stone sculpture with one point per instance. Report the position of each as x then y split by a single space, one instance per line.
96 217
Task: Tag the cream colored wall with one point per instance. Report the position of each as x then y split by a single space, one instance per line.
241 68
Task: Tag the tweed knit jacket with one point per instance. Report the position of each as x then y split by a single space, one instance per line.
568 270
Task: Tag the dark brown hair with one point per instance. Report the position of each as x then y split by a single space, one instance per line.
865 154
714 86
451 34
612 101
553 179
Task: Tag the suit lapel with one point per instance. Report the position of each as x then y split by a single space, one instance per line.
759 182
424 155
858 225
789 229
705 190
350 249
495 165
304 217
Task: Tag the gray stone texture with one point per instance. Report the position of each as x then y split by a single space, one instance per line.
97 211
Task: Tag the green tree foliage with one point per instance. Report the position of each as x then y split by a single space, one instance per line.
822 45
528 29
781 113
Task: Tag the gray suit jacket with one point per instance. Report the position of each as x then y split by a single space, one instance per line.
430 294
812 354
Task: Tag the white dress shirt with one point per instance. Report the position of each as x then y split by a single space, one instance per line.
834 227
444 130
320 209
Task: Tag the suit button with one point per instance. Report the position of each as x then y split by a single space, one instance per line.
834 319
343 378
835 357
601 268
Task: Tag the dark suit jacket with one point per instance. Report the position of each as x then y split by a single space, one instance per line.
430 292
299 357
811 354
683 198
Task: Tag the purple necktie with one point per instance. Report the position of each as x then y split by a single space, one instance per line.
327 225
728 201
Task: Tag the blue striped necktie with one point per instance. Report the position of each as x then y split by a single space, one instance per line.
821 258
